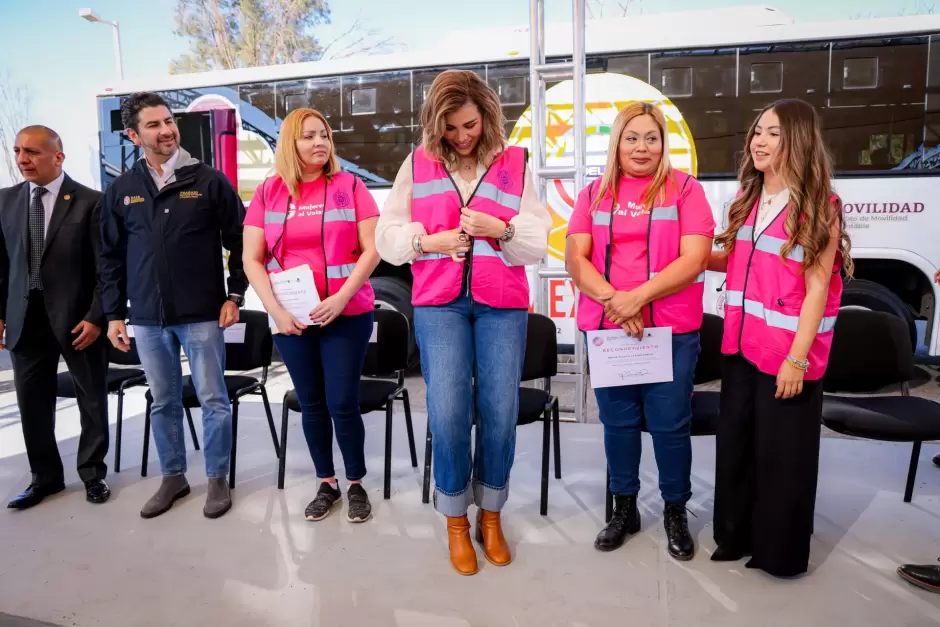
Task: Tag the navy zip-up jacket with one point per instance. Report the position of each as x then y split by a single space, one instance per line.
163 249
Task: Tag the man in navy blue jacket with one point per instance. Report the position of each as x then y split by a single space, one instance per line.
163 225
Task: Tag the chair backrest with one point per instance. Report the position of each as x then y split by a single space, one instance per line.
870 350
708 367
255 352
541 348
388 355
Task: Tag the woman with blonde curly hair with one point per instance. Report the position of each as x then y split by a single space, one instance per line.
463 211
784 250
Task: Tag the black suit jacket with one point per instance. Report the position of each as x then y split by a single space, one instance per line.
69 262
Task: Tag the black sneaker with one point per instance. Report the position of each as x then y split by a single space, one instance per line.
359 509
327 497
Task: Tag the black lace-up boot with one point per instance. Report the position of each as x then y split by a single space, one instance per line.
681 545
624 521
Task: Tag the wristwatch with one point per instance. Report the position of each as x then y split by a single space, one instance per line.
238 299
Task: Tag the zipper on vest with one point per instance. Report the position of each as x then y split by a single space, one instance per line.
326 267
649 256
747 276
467 273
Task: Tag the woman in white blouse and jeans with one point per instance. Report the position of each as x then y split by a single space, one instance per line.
463 211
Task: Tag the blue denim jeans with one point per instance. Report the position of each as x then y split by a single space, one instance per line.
325 366
159 349
667 409
463 343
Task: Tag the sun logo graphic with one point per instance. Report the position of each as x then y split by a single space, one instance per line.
605 95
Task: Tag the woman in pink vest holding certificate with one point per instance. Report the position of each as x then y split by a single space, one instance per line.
463 211
783 250
638 241
312 214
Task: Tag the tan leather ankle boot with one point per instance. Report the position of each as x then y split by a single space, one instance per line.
462 556
490 535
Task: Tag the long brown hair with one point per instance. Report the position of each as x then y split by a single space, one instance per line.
806 170
287 161
611 179
450 91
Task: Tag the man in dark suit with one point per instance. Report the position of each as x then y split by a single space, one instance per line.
50 306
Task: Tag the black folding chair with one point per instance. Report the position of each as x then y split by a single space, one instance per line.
705 403
872 350
252 354
386 358
118 380
541 362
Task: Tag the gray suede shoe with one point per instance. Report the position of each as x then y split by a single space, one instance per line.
172 489
219 498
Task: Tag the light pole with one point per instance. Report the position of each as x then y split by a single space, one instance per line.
89 15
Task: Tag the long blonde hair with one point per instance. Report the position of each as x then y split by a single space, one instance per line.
806 169
610 182
450 91
287 161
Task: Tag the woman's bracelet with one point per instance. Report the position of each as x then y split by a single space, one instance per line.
798 364
416 244
509 233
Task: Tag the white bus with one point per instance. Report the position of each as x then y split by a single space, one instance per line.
873 82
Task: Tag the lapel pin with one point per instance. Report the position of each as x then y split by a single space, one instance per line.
67 197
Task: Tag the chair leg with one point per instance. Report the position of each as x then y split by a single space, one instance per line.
192 428
912 473
555 424
546 452
609 500
282 452
267 411
426 490
388 451
117 431
143 459
231 470
411 430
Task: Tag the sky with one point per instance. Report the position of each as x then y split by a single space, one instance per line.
64 60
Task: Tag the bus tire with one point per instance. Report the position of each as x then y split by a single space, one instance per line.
862 294
394 293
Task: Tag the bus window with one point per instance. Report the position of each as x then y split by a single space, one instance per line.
511 84
322 94
637 66
260 96
375 131
703 87
875 117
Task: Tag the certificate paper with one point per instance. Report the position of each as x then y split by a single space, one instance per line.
296 292
617 359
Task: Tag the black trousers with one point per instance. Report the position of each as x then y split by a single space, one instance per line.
35 365
767 462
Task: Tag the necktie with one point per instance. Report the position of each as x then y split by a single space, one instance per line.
37 236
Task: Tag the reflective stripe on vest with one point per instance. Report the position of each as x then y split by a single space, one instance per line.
769 244
773 318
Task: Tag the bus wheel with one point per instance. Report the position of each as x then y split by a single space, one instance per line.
862 294
393 293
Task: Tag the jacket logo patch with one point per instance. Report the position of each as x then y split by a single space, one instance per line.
341 199
505 181
130 200
190 194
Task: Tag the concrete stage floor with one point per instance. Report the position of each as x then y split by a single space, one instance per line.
67 562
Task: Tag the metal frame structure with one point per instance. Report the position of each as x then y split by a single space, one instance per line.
540 73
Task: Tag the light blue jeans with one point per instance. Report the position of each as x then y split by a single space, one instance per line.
159 349
460 343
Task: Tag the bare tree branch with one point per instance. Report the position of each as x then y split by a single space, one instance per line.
14 115
365 42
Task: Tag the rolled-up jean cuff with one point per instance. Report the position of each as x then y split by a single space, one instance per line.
453 505
489 498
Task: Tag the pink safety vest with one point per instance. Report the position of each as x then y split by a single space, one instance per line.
683 310
339 235
436 203
765 294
